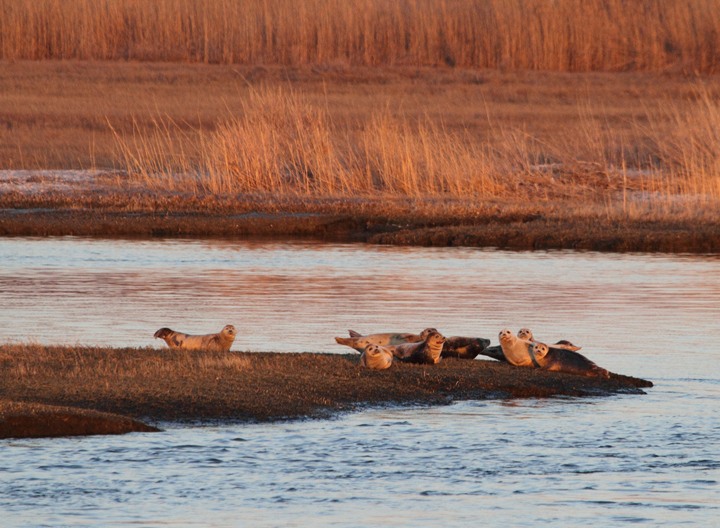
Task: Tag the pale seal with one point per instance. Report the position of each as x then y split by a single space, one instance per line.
426 352
221 341
526 334
515 350
564 360
464 347
359 342
376 357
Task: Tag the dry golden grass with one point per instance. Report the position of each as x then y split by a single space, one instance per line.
614 144
281 143
564 35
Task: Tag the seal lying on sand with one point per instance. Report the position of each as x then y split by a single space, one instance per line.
563 360
516 351
464 347
359 342
426 352
221 341
526 334
376 357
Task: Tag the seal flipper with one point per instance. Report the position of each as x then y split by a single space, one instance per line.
353 333
494 352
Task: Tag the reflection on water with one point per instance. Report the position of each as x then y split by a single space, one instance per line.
563 462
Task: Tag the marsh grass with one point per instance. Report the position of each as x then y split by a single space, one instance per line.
281 143
174 384
564 35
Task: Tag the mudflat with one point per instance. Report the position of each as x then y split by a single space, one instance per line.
33 420
155 385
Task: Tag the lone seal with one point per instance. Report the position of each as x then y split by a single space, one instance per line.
376 357
359 342
221 341
425 353
526 334
564 360
516 350
464 347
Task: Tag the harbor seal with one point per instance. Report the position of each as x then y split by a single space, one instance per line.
464 347
494 352
564 360
426 352
526 334
516 350
359 342
376 357
221 341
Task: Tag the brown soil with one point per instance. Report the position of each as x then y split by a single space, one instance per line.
32 420
508 227
159 385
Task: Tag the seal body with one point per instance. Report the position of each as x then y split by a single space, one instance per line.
220 341
516 350
564 360
464 347
494 352
425 353
526 334
376 357
359 342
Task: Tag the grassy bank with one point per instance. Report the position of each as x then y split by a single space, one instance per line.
565 35
384 154
195 385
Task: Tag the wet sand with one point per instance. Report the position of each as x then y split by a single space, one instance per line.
156 385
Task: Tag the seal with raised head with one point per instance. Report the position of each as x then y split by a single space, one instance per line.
526 334
359 342
221 341
564 360
464 347
376 357
426 352
516 350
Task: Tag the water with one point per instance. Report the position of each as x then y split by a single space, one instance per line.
649 460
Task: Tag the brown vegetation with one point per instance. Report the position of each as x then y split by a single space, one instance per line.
638 143
565 35
201 385
32 420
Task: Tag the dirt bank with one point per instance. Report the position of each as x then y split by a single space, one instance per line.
158 385
32 420
377 223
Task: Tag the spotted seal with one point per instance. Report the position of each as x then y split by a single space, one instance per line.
376 357
564 360
359 342
526 334
220 341
426 352
464 347
516 350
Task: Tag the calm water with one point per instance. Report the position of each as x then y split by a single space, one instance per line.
652 460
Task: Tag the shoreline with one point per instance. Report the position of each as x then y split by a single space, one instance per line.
522 230
164 385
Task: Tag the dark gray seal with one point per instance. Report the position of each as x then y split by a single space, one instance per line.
424 353
464 347
564 360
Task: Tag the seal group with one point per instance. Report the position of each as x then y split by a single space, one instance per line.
429 347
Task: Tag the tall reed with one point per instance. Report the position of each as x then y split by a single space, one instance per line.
280 143
563 35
